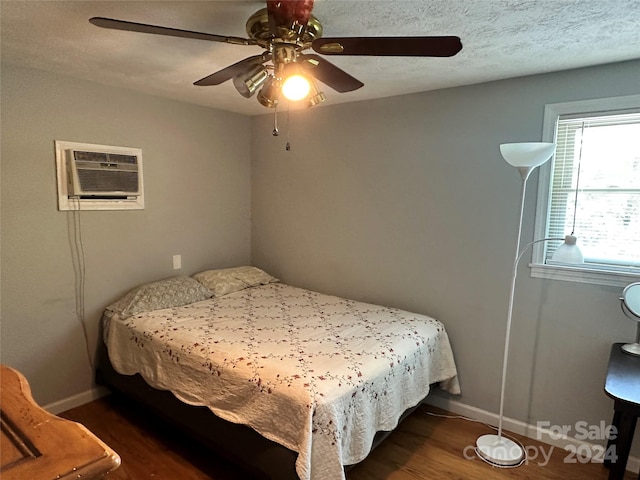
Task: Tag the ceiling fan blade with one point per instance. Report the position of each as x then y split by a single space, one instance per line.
389 46
231 71
329 74
172 32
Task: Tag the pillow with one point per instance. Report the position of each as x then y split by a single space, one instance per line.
171 292
227 280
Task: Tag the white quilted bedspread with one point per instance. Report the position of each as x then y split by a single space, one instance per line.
316 373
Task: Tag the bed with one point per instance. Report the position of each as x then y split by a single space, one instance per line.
311 381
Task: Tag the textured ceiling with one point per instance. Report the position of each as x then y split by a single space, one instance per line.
501 39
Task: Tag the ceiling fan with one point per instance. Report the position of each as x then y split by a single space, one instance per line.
286 29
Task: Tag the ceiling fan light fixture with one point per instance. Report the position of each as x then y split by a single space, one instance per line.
248 83
296 87
285 30
269 95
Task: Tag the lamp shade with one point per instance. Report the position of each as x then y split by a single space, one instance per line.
250 81
315 96
268 95
568 252
295 87
528 154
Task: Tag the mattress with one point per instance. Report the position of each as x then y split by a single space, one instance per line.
315 373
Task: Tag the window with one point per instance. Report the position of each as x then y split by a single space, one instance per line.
591 188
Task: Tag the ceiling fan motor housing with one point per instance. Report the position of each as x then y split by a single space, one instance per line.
259 29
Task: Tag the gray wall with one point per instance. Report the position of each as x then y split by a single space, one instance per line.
197 185
406 201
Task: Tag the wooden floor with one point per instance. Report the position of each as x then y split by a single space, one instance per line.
423 447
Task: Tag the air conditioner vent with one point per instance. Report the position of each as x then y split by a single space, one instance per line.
103 174
99 157
104 181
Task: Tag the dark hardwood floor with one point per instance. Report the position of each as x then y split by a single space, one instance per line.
423 447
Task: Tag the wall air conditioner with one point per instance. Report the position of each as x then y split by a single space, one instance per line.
102 175
98 177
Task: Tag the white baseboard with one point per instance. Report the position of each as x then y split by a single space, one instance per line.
76 400
572 445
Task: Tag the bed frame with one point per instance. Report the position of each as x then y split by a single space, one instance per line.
239 444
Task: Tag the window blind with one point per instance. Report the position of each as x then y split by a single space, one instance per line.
595 188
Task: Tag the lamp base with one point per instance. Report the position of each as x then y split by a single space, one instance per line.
499 450
631 348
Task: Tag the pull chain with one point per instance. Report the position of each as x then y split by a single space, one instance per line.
275 132
288 145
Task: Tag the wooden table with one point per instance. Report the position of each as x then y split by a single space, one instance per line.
37 445
623 385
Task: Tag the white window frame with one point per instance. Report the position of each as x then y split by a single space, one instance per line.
569 273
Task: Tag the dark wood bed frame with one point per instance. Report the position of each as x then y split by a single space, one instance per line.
239 444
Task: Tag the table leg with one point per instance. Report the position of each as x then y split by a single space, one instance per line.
626 427
611 443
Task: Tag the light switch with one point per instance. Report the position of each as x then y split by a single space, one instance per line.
177 262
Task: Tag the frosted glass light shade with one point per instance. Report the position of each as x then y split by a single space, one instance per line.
528 154
568 252
295 87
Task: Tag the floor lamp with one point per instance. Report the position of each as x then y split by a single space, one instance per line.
497 449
